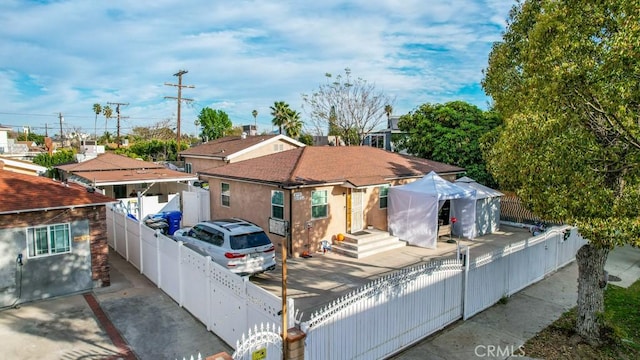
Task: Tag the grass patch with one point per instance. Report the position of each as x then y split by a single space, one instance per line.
622 319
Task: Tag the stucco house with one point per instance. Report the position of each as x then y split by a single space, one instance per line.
53 238
321 191
232 149
143 187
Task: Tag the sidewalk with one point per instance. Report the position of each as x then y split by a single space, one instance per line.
500 331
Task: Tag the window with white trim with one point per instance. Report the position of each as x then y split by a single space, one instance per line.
225 194
383 193
277 204
49 240
319 204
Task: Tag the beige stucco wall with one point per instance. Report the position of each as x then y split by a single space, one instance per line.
252 201
265 149
198 164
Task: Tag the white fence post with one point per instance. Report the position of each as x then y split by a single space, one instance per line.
208 287
465 283
158 260
140 247
126 236
115 232
180 282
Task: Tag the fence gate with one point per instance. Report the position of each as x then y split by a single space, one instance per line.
264 343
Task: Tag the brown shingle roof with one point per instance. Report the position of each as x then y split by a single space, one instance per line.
226 146
109 161
358 165
27 192
113 168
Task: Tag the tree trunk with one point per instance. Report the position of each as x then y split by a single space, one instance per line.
591 283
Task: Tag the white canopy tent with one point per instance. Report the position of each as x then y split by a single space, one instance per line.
487 202
412 211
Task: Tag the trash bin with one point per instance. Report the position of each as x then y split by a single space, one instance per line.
173 219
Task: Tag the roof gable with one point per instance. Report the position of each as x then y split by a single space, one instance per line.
232 146
23 192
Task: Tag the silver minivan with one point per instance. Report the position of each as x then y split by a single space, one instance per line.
239 245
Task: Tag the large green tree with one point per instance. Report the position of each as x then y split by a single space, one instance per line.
350 107
215 123
566 79
450 133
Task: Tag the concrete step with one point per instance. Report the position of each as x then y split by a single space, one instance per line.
360 253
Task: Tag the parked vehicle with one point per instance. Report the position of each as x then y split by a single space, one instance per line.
239 245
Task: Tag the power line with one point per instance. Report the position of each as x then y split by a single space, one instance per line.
179 99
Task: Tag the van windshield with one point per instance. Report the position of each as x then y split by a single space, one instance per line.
247 241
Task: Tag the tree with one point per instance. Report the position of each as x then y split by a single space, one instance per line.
215 123
97 109
161 130
61 156
279 111
352 106
388 109
450 133
254 113
108 112
293 125
565 78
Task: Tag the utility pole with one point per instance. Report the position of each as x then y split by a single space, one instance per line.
180 99
61 135
118 121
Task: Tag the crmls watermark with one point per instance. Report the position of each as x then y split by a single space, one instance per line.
498 351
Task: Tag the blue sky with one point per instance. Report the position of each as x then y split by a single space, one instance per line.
62 56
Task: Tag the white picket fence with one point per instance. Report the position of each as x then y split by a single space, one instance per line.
224 302
396 311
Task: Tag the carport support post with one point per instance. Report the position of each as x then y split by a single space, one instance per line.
284 296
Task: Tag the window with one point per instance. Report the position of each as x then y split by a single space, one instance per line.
277 204
377 141
225 194
188 167
319 204
278 147
384 192
49 240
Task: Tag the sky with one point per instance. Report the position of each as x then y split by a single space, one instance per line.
59 57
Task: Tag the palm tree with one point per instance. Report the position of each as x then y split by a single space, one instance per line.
255 121
107 115
388 109
279 111
97 108
293 124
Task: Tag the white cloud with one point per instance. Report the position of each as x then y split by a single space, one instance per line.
67 55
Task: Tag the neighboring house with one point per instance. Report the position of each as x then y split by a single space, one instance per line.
321 191
21 166
19 150
4 139
122 177
384 139
232 149
52 238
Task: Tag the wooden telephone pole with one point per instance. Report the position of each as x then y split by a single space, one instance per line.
119 117
180 99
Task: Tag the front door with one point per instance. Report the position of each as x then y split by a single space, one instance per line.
357 214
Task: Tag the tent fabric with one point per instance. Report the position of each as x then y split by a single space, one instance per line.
412 211
487 214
